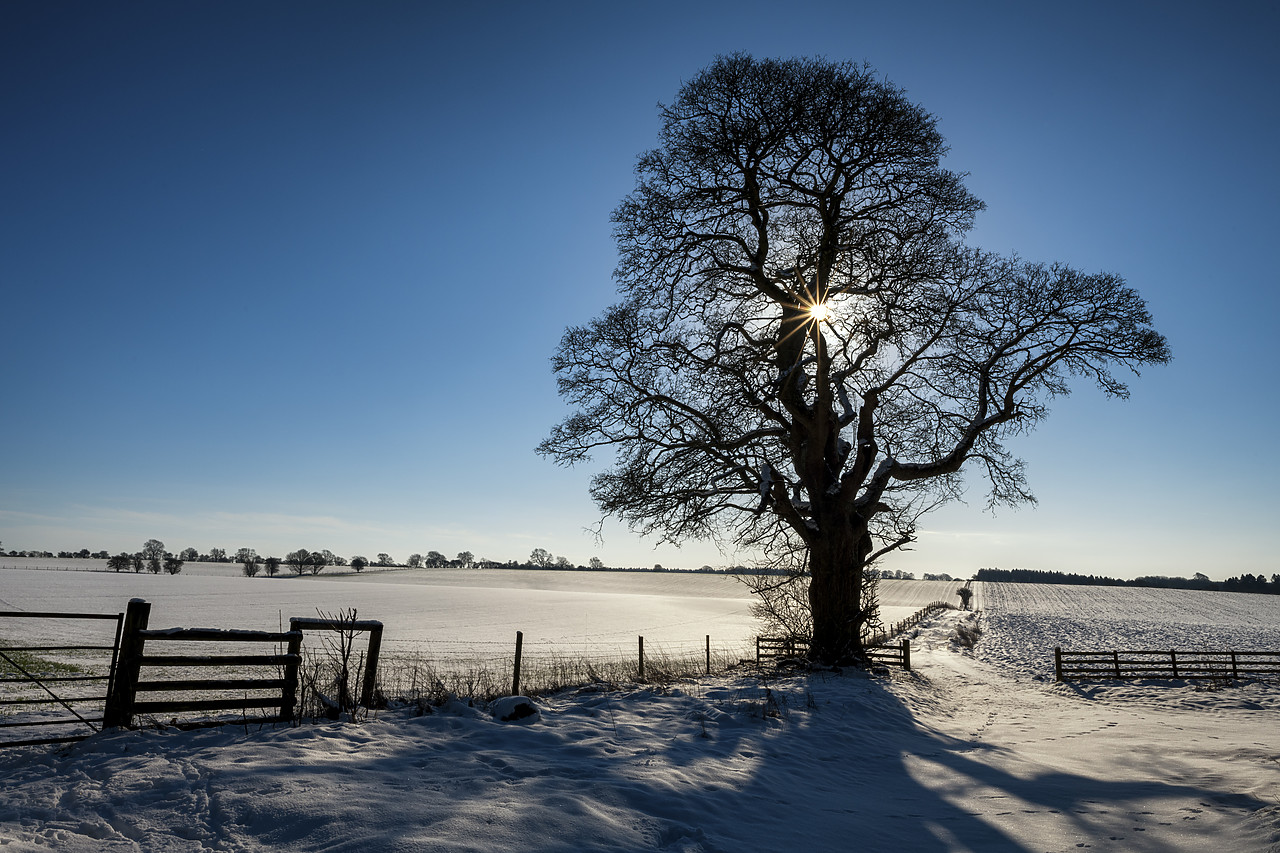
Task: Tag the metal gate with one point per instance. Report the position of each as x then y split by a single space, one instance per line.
42 691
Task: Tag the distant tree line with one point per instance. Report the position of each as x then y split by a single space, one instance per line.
1242 583
153 557
82 554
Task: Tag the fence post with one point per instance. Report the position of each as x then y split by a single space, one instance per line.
906 655
119 710
757 651
642 659
289 694
370 688
1234 672
1173 658
1115 661
515 672
1057 663
708 654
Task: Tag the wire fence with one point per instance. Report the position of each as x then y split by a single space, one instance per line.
54 692
488 670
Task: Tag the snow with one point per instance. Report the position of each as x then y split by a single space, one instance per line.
471 614
464 614
1026 621
972 751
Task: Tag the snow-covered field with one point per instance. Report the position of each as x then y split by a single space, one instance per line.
970 752
435 614
472 615
1026 621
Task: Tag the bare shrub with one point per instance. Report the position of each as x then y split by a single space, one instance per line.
782 600
967 632
330 673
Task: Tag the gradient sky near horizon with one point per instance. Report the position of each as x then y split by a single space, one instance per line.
282 275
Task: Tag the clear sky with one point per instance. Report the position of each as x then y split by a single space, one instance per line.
283 275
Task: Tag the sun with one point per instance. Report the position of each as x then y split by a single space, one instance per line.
819 312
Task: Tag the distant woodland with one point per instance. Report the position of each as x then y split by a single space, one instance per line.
1243 583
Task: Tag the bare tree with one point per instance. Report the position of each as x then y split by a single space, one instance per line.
300 560
153 552
541 557
806 356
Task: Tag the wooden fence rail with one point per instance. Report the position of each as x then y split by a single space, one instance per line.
1075 666
878 647
771 648
896 654
280 684
369 688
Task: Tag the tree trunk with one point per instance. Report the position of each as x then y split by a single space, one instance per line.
836 561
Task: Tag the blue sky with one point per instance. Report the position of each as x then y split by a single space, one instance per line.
284 275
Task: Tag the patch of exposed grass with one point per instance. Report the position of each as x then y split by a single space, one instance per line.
13 660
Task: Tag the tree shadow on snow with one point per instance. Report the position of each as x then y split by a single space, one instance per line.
865 772
816 762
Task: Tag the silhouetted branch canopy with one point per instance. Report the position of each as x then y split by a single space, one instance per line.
805 347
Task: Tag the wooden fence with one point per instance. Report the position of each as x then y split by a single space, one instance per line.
280 682
878 648
1075 666
369 687
142 681
66 690
771 648
911 621
897 654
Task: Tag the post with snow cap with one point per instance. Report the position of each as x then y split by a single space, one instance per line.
641 677
124 683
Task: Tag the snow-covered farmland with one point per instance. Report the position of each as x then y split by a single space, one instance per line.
967 753
438 615
1025 621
